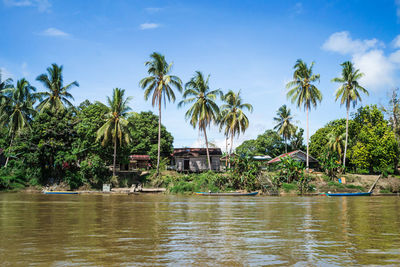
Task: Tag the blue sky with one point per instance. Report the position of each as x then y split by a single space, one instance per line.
246 45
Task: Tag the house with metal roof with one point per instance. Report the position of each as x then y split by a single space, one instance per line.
298 155
195 159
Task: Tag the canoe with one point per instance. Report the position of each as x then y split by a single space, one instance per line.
348 194
225 194
60 193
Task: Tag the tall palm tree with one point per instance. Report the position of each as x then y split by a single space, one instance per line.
17 110
233 118
204 110
116 125
284 124
4 85
57 96
303 92
349 94
336 143
159 85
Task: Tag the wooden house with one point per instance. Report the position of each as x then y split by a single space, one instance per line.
135 162
195 159
298 155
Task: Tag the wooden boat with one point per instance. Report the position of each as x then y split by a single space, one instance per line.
348 194
225 194
60 192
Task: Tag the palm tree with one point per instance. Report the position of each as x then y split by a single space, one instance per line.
17 110
284 125
335 143
57 95
303 91
4 85
204 110
159 84
116 125
349 94
233 117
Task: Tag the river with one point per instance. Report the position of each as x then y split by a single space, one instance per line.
159 230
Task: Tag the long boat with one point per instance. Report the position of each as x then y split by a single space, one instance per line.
60 193
348 194
225 194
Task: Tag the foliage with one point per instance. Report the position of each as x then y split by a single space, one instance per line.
244 173
290 169
329 164
144 132
284 125
270 143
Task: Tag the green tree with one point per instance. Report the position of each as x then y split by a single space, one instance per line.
144 132
204 110
336 143
57 95
270 142
297 139
284 124
160 85
303 92
233 118
4 85
17 109
376 147
116 125
349 94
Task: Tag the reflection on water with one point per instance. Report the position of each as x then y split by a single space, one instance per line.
153 230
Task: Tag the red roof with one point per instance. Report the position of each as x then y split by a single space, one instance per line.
142 157
290 154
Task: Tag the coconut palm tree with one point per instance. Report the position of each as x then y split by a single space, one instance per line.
233 118
284 124
160 86
116 126
57 96
4 85
17 109
336 143
204 110
303 92
349 94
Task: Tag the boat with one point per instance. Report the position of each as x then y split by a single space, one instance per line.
60 192
225 194
348 194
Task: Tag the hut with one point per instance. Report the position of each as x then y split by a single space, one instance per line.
298 155
195 159
135 162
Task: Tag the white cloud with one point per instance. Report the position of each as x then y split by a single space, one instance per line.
341 42
41 5
24 69
378 69
54 32
153 10
298 8
149 26
368 56
5 74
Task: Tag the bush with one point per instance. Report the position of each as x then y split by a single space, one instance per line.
289 187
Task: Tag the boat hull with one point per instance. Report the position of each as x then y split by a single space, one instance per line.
60 193
225 194
348 194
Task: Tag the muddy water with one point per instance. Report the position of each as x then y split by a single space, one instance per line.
152 230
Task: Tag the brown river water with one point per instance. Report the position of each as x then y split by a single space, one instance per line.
159 230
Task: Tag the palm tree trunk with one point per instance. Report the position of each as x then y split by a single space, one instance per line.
231 144
115 155
226 149
208 154
284 138
347 135
8 157
307 160
159 135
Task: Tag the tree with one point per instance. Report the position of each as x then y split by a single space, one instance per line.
233 117
204 110
17 109
57 95
335 143
270 142
144 132
349 94
4 85
296 142
160 84
116 125
303 91
284 125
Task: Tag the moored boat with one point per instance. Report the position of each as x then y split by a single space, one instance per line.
348 194
225 194
60 192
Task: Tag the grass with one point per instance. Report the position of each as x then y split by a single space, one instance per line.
289 187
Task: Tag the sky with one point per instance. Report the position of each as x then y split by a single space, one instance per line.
250 46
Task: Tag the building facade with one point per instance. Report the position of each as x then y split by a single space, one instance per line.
195 159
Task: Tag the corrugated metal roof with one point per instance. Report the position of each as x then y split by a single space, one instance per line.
292 154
